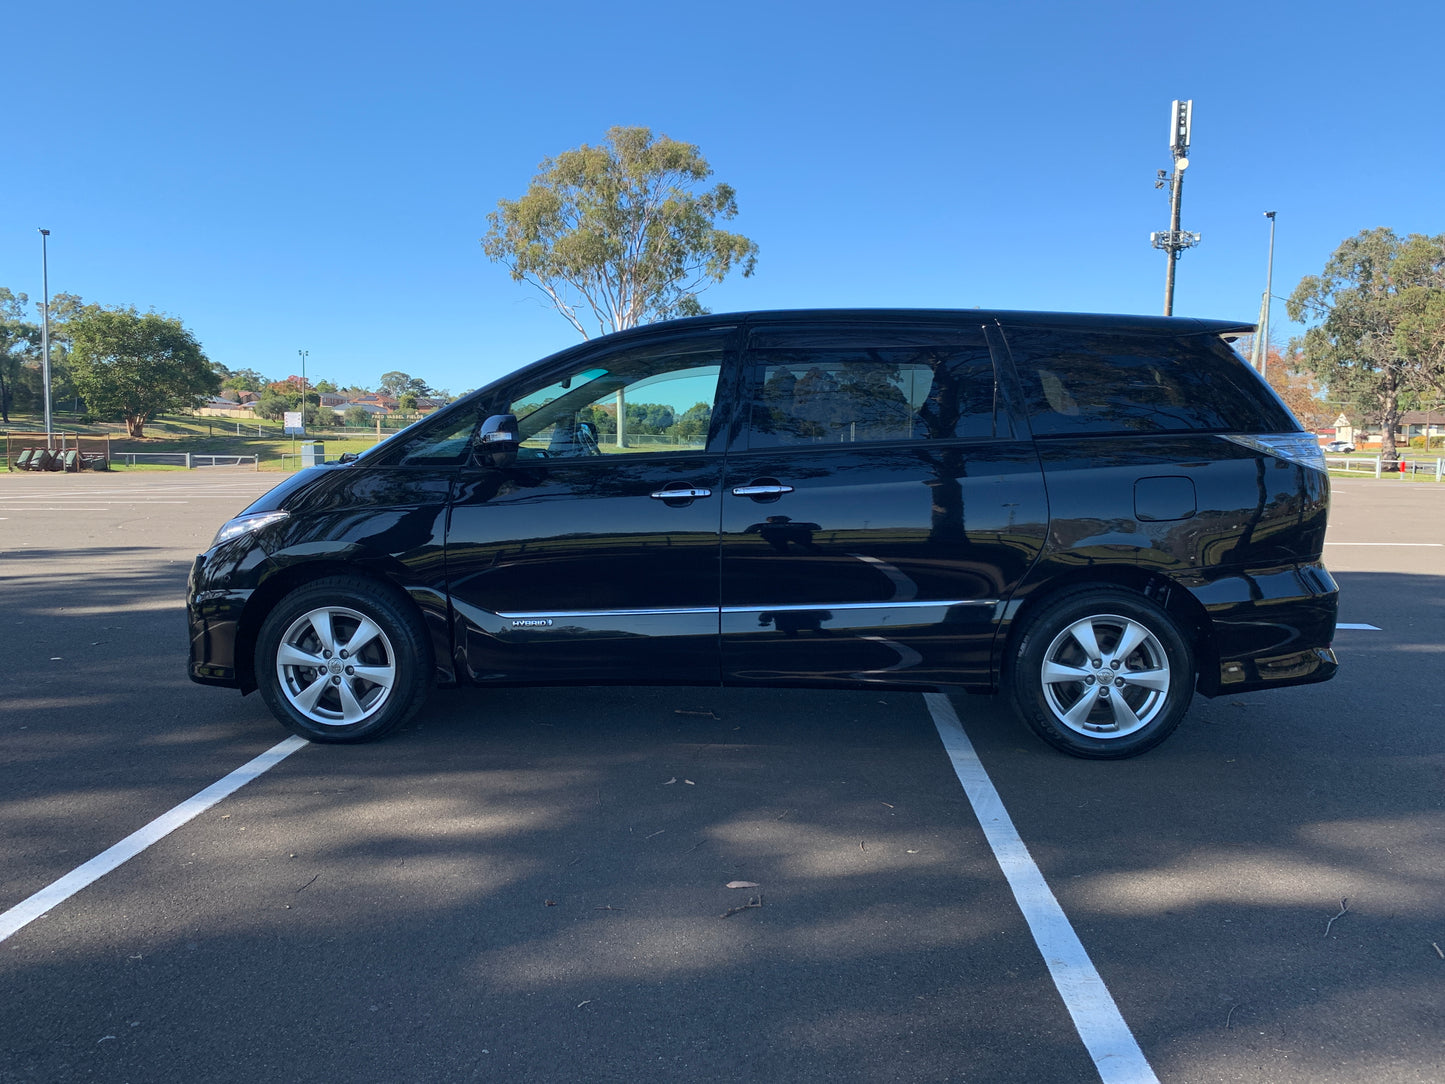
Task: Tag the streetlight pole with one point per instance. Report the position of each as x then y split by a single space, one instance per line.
1263 336
304 355
45 332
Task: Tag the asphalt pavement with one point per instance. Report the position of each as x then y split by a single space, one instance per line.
532 884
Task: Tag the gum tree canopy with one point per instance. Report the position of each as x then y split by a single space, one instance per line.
1380 307
137 365
620 229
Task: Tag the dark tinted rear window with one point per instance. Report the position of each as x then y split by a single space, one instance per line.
1078 382
831 386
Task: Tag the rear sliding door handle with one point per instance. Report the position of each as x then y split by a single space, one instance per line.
761 491
685 494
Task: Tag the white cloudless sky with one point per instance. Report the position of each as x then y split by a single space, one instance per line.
317 176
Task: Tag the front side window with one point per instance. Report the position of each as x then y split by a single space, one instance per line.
840 393
647 399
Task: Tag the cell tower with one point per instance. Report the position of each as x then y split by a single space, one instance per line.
1174 240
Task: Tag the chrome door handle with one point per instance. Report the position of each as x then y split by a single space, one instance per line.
761 491
679 494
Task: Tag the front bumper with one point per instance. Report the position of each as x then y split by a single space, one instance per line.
213 614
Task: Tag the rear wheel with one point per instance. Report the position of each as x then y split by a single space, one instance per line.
1102 674
342 660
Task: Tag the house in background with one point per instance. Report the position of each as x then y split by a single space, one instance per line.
1423 423
385 403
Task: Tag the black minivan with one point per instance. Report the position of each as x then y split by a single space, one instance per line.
1098 514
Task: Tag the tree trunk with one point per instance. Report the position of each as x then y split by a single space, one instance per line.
135 425
1389 420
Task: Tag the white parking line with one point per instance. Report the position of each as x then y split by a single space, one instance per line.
1097 1019
1414 544
28 910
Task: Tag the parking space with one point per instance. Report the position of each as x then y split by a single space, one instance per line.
532 884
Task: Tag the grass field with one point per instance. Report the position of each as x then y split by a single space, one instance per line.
207 436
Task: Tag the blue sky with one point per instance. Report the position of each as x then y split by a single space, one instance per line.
317 176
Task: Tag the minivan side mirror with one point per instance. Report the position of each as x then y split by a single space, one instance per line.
498 440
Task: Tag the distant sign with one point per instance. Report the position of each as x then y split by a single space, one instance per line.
292 421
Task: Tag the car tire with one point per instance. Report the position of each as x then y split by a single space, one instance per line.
343 659
1101 674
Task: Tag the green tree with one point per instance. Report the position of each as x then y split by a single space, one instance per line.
619 229
396 384
136 365
356 415
63 308
19 343
244 380
650 418
1379 305
693 423
271 405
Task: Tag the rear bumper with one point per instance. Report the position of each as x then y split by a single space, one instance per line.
1271 627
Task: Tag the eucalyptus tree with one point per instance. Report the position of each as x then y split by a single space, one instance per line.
621 229
1379 307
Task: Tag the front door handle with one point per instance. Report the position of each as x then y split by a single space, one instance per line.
685 493
774 490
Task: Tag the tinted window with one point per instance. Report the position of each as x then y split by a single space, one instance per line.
844 387
1102 382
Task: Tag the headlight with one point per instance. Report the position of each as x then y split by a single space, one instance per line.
234 528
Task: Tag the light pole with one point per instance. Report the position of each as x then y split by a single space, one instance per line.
304 355
1262 338
45 331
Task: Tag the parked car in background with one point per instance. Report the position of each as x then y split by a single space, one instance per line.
1099 515
1339 446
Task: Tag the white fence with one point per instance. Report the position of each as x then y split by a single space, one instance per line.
189 460
1375 466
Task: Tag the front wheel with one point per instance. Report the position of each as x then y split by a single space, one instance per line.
342 660
1102 674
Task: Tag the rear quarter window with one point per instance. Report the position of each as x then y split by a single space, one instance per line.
1079 382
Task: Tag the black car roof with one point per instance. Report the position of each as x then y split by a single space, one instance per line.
1177 325
1098 321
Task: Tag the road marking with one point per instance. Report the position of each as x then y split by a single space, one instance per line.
28 910
1108 1039
1360 628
